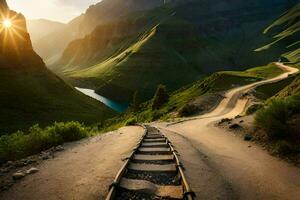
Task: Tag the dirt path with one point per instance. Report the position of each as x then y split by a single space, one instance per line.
249 172
82 172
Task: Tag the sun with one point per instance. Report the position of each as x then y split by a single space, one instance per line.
7 23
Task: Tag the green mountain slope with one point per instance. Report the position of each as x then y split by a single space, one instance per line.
29 92
187 42
152 59
285 35
291 89
52 45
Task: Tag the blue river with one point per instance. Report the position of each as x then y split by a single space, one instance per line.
119 107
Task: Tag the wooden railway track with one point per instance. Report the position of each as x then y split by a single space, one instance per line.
152 171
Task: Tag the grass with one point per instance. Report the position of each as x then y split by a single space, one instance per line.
263 72
267 91
178 100
280 117
21 144
275 118
284 33
291 89
29 97
171 46
151 58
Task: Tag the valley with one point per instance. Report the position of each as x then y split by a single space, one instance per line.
145 100
219 159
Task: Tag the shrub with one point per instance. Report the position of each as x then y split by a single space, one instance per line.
253 108
188 110
156 115
131 121
135 105
68 132
20 144
273 119
160 98
293 103
283 147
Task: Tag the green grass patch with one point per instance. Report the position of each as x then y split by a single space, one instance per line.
263 72
274 118
36 139
267 91
40 97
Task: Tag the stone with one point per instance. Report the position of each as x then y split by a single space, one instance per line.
234 126
32 170
225 120
18 175
59 148
248 137
45 156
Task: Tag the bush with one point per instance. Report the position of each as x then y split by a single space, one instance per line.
293 104
253 108
160 98
20 144
68 132
273 119
131 121
156 115
283 147
188 110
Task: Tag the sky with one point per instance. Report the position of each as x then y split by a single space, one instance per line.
57 10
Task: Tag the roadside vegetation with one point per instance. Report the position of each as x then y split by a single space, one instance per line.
280 121
190 100
21 144
195 98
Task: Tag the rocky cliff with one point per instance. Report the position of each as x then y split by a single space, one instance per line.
15 46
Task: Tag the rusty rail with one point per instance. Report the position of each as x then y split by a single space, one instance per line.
116 182
188 194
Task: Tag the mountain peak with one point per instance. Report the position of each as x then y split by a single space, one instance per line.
15 44
3 5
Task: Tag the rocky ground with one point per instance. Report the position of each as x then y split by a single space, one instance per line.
13 171
244 127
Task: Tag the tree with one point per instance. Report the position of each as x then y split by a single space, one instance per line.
160 98
135 105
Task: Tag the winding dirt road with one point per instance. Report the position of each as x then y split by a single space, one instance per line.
221 165
217 165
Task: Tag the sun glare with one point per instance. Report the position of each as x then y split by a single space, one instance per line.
7 23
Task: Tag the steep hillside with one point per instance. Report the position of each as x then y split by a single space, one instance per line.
39 28
29 92
285 35
164 54
106 40
291 89
52 45
187 42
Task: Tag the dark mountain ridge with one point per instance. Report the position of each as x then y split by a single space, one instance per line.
193 38
29 92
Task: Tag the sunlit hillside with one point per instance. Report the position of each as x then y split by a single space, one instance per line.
30 93
173 45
